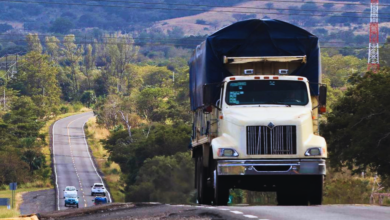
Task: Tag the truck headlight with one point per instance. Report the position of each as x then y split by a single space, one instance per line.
315 151
227 152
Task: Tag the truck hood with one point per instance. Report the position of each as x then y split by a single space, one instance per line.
244 116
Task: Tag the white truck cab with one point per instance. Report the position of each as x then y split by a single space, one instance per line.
260 135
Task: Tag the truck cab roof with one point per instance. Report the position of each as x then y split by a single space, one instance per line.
266 77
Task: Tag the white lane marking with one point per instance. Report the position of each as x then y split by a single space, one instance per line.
236 212
250 216
87 146
55 169
224 209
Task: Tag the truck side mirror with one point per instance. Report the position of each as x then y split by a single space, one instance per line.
208 94
322 99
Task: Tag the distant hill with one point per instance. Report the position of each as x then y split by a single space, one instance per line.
167 19
109 15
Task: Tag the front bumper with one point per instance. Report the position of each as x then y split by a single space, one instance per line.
272 167
71 203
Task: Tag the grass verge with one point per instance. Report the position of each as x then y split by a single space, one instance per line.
111 170
4 212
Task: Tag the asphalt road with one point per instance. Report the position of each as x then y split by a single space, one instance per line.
326 212
72 161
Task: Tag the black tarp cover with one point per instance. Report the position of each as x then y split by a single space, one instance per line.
252 38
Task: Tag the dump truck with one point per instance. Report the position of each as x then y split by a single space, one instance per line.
256 98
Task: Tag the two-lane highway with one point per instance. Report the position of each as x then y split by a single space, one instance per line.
73 164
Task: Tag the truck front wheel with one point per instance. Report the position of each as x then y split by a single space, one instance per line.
204 192
316 190
221 190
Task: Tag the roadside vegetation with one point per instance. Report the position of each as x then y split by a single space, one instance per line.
143 123
111 170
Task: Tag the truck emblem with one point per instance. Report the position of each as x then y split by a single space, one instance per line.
271 125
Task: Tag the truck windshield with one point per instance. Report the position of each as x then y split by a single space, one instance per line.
280 92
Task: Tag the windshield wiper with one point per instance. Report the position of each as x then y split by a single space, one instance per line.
280 103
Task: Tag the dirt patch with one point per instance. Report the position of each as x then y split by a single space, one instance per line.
38 201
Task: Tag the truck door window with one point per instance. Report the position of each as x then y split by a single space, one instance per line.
254 92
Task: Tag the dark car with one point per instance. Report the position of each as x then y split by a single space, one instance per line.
99 200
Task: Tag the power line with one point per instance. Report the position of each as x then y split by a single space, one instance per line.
139 43
83 36
159 40
233 7
311 2
179 9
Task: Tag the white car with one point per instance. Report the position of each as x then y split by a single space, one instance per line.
98 189
70 191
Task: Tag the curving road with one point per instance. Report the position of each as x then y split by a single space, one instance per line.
73 165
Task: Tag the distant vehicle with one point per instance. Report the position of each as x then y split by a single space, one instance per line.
72 200
70 190
99 200
98 189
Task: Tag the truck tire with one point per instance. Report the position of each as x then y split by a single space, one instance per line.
204 192
316 190
221 191
297 198
77 205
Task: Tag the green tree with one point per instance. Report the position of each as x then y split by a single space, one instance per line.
12 169
88 98
36 77
160 140
89 63
357 129
61 26
269 5
52 47
328 5
384 55
171 182
338 68
152 103
34 43
72 55
309 6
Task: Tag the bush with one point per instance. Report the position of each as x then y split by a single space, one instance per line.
171 182
114 171
201 21
77 106
64 109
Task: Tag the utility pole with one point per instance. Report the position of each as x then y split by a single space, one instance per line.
6 65
373 51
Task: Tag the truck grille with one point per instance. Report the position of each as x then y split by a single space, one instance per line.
262 140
